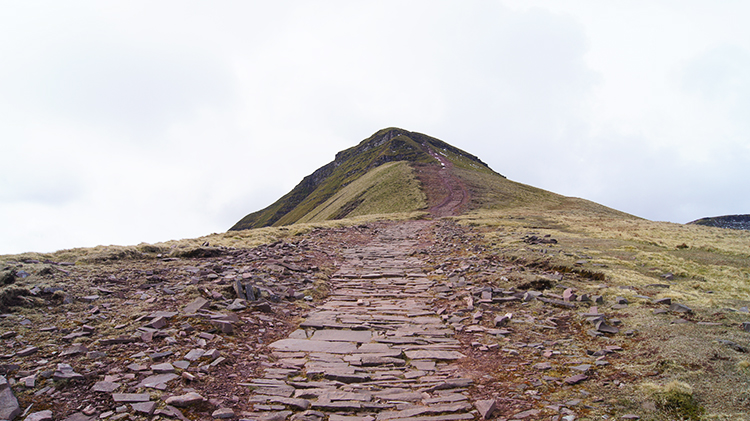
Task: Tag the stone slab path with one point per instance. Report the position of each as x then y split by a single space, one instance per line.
374 350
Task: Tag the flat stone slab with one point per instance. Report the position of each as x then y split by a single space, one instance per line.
197 304
424 410
131 397
423 354
158 381
106 387
304 345
358 336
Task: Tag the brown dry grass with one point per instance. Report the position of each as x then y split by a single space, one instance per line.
232 239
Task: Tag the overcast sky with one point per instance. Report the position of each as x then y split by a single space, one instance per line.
145 121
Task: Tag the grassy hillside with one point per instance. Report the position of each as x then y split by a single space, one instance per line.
389 188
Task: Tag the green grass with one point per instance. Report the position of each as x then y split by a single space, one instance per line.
389 188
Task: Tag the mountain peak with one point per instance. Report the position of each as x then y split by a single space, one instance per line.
387 146
398 171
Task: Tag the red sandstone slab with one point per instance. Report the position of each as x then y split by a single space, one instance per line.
304 345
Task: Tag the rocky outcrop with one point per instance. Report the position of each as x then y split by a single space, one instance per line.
736 222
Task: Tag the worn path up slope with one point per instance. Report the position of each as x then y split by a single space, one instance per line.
374 349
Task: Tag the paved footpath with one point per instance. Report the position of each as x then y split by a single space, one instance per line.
373 351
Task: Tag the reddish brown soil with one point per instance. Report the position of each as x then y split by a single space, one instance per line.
447 195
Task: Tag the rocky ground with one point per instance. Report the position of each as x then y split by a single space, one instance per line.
405 321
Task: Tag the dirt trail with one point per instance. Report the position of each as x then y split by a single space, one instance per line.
457 195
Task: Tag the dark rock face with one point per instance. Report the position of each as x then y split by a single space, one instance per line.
735 222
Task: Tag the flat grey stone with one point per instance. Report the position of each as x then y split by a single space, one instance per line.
680 308
543 366
195 354
182 365
424 410
582 367
345 377
106 387
163 368
157 323
338 405
304 345
144 407
359 336
39 416
130 397
197 304
527 414
73 350
451 384
434 354
274 416
65 372
299 404
27 351
309 415
279 390
187 399
158 381
374 360
576 379
399 396
223 413
445 398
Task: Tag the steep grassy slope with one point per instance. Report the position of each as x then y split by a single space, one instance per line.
389 188
387 145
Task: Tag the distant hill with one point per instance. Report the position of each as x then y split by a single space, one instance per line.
735 222
396 170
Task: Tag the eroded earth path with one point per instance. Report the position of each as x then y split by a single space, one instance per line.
375 350
456 194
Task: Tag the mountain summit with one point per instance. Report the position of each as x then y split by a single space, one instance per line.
396 170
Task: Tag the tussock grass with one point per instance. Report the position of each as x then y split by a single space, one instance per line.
675 399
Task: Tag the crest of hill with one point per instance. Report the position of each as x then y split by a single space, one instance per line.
322 195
